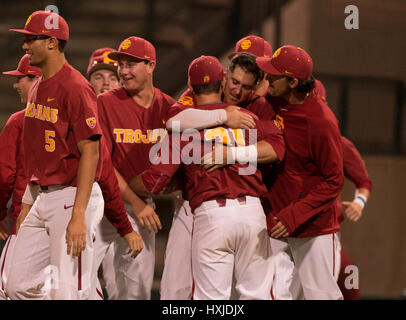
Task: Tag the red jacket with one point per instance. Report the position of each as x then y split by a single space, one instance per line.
307 183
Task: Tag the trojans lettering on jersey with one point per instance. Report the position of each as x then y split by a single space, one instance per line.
137 136
41 112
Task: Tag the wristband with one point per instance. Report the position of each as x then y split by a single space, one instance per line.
361 200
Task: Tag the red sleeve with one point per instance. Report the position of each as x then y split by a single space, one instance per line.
114 206
164 168
274 136
84 119
9 141
326 149
101 111
354 167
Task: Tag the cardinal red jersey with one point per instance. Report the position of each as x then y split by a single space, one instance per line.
226 182
13 179
61 111
308 182
130 129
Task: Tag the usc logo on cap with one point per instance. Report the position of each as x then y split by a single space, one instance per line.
91 122
276 53
106 58
246 44
28 21
206 79
126 44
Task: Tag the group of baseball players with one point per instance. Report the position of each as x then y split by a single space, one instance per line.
252 156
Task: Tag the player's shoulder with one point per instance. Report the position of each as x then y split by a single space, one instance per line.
16 118
74 82
318 112
114 94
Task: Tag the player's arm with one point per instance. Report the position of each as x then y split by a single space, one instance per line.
29 196
9 142
326 148
76 230
191 118
356 171
114 208
143 211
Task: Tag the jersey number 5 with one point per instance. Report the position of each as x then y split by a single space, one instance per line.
49 141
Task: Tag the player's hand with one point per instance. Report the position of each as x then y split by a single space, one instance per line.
147 217
279 230
135 243
353 210
3 229
210 162
237 119
76 236
25 208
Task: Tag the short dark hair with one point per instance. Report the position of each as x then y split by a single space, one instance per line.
213 87
304 86
246 62
62 45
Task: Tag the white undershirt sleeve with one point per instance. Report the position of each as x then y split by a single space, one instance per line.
196 119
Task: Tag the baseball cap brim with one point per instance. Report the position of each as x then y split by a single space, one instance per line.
22 31
14 73
117 55
101 66
266 65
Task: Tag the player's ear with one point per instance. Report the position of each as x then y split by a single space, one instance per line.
151 66
52 43
293 82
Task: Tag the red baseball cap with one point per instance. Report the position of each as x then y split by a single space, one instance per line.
24 69
134 47
255 45
46 23
288 60
100 60
205 70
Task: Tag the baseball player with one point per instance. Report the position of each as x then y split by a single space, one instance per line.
287 283
102 71
258 47
132 120
12 175
102 75
303 194
61 150
228 231
241 77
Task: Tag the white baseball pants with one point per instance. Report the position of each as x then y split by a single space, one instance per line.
40 249
176 281
133 277
231 240
307 268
